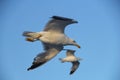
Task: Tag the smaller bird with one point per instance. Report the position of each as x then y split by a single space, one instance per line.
71 58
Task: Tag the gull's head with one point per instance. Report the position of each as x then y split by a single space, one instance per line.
64 20
79 59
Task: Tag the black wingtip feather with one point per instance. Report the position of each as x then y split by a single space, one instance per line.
35 66
61 18
72 72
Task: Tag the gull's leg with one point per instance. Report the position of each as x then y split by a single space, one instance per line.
38 36
31 36
32 39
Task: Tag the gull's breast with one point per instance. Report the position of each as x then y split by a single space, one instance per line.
53 38
70 59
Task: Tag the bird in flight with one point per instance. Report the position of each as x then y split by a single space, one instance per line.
52 38
70 57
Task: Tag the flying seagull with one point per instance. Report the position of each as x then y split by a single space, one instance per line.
71 58
53 39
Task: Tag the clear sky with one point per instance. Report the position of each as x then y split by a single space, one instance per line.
97 32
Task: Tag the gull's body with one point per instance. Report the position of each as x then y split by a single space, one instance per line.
70 57
52 37
56 38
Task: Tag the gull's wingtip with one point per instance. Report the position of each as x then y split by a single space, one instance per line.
28 69
35 65
61 18
64 19
71 72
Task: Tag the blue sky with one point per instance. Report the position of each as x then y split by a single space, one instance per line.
97 32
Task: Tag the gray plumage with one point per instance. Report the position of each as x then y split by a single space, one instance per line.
53 39
43 57
58 24
75 66
53 32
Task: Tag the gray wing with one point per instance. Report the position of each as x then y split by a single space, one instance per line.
42 58
38 60
75 65
70 53
58 24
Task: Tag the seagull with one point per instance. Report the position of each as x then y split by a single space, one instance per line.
52 38
53 32
71 58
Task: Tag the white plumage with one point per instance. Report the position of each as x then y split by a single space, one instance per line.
53 39
70 57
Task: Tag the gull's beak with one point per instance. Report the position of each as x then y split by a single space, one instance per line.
77 45
74 21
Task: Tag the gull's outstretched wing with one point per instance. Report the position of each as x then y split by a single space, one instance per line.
75 65
50 52
58 24
70 52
